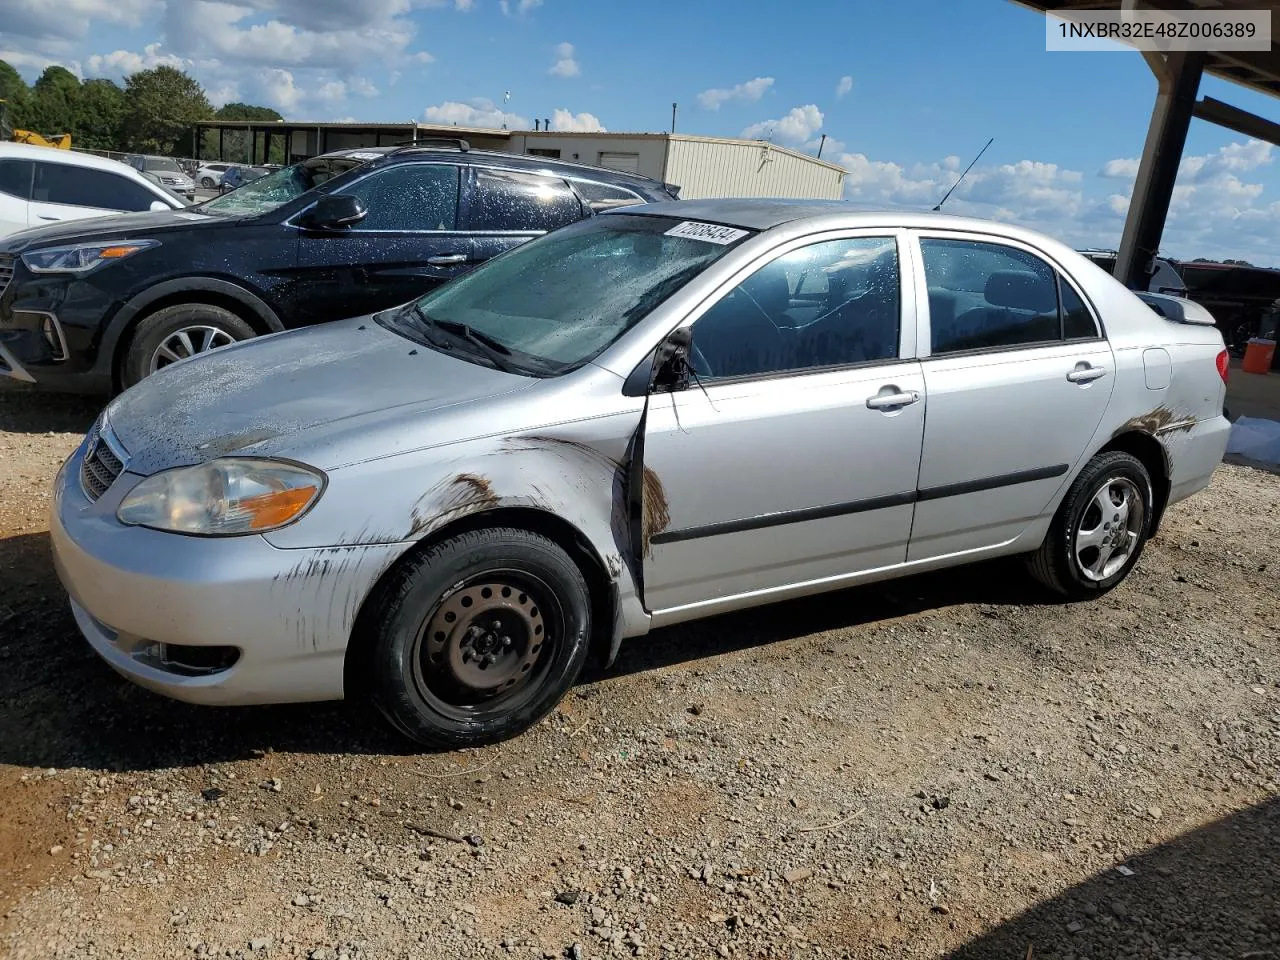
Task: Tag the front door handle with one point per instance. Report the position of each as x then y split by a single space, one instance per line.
41 216
447 260
1086 374
887 401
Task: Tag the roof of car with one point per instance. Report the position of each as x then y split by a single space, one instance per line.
531 161
29 151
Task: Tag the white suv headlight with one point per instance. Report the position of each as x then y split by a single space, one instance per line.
222 498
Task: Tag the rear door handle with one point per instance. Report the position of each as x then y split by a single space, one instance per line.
41 216
886 401
1086 374
447 260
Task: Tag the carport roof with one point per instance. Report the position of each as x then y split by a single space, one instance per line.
1256 69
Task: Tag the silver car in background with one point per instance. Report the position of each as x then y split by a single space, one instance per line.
657 414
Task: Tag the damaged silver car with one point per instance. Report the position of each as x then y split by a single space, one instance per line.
654 415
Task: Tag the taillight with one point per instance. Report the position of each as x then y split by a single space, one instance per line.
1224 366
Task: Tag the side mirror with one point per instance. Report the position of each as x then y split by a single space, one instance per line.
333 212
159 205
671 362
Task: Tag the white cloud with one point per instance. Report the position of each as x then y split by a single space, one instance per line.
748 92
576 122
477 113
279 90
565 65
1123 168
70 19
466 6
519 7
844 86
121 63
25 61
797 127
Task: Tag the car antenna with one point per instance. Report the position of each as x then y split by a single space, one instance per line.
963 175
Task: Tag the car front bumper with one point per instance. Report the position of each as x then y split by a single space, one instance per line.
212 620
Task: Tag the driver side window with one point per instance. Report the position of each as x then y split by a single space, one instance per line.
828 304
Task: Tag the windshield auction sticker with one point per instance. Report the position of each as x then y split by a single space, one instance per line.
710 232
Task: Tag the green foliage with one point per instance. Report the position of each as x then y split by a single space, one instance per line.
245 111
153 113
160 107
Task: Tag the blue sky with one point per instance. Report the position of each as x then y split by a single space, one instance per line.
906 90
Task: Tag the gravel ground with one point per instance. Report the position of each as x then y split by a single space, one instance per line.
941 766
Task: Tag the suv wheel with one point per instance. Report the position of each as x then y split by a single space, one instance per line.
177 332
476 638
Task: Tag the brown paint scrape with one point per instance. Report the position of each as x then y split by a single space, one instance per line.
463 491
1159 420
656 516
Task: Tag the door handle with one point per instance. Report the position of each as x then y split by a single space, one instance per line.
41 216
447 260
885 401
1086 374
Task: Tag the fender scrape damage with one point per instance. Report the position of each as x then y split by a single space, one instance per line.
584 474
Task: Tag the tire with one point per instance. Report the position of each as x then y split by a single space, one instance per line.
207 183
432 680
205 323
1083 573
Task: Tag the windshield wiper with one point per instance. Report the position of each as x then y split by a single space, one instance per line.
498 353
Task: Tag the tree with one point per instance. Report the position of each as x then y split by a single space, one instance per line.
246 111
160 107
50 109
98 116
13 90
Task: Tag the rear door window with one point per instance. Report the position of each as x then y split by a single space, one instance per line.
505 200
604 196
83 187
15 178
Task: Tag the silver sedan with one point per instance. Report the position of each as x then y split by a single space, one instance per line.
657 414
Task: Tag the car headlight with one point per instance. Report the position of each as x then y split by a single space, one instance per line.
82 257
223 498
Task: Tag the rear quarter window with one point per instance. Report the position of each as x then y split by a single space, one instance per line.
507 200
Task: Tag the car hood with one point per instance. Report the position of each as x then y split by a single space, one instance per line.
122 227
287 394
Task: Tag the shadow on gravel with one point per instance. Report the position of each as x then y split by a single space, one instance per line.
60 706
23 410
1211 893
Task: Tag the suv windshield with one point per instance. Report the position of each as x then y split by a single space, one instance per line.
163 165
277 189
552 304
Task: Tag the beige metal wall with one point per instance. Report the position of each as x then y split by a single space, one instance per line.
651 149
705 167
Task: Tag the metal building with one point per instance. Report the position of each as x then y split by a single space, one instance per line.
700 166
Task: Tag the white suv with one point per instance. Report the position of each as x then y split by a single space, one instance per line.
209 176
41 185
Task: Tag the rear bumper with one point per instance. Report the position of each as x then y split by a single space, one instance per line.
285 616
1194 455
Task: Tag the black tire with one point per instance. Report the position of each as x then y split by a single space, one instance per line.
419 672
155 329
206 182
1057 564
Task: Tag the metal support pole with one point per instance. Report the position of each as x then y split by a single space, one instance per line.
1153 189
222 143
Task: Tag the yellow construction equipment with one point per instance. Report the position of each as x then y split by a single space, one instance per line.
61 142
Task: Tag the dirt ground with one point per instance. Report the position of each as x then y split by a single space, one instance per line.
942 766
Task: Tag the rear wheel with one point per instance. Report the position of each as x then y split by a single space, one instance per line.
477 638
175 333
1100 528
206 182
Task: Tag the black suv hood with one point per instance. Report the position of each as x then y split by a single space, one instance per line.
122 227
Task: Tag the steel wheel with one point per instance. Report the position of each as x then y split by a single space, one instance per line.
483 648
1110 529
187 342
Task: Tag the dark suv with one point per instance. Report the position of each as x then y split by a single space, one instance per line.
96 305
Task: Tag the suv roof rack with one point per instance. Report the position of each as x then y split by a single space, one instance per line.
457 142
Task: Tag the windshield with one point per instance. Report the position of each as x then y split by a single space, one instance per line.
275 190
160 163
553 303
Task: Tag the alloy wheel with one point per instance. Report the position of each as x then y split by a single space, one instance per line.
187 342
1109 529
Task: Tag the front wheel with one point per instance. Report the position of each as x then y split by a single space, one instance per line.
176 333
1099 530
475 639
207 183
